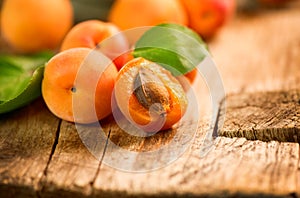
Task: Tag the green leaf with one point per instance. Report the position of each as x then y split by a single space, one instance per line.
20 79
175 47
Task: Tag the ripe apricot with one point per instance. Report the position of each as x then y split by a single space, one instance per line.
88 34
191 76
30 26
59 88
128 14
158 98
207 16
121 60
92 32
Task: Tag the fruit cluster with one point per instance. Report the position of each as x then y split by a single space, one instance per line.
41 25
204 16
144 91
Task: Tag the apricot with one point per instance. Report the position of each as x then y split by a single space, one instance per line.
128 14
30 26
207 16
191 76
147 93
121 60
92 32
88 34
59 88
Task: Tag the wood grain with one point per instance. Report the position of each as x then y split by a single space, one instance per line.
263 116
26 141
72 167
233 167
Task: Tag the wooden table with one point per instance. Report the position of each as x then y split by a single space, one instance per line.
259 61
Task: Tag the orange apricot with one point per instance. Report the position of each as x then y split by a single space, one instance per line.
147 93
30 26
191 76
88 34
207 16
121 60
59 88
128 14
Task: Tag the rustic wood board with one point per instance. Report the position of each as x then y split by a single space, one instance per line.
263 116
42 156
27 139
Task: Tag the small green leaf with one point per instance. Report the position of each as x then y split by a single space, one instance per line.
20 79
175 47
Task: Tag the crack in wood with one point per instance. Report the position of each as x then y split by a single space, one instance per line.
41 183
213 131
53 147
100 162
216 123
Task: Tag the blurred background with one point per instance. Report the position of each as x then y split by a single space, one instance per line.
206 17
91 9
99 9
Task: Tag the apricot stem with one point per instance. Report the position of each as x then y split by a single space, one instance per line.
73 89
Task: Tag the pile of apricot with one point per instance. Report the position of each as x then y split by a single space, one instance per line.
42 25
144 91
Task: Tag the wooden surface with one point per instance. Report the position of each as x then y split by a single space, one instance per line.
264 116
259 61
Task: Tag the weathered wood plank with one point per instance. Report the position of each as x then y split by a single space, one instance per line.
163 147
233 167
263 116
113 182
72 168
26 139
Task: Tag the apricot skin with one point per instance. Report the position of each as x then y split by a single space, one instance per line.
88 34
207 16
121 60
34 25
128 14
58 87
129 104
